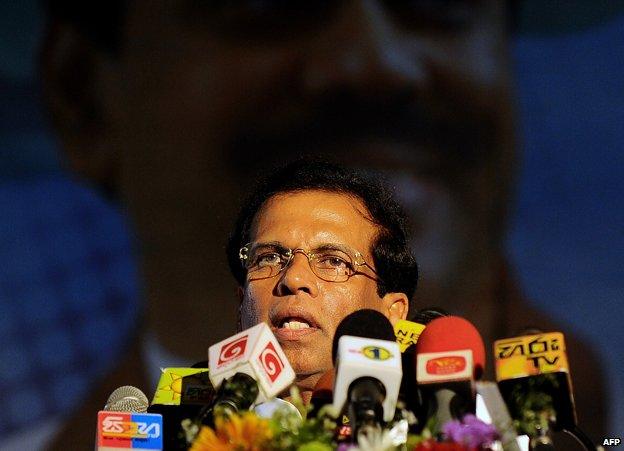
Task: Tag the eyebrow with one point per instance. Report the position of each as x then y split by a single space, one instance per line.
322 247
270 244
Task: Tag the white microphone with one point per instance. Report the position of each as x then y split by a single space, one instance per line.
498 415
371 367
257 353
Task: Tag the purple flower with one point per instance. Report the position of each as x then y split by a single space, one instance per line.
471 432
345 447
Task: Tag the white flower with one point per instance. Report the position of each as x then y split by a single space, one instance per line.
374 439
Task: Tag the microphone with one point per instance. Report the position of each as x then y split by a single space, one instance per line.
450 333
368 369
253 357
180 396
269 408
182 386
249 368
127 399
236 393
499 415
450 355
407 334
123 424
534 377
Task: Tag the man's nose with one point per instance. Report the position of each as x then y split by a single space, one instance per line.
297 277
362 48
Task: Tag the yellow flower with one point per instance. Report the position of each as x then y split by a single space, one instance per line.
246 432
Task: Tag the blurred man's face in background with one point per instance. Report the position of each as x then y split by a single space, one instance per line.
202 96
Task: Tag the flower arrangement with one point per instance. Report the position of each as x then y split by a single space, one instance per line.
288 431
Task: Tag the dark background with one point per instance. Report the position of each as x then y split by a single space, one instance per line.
566 239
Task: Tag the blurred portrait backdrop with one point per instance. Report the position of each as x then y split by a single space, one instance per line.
131 131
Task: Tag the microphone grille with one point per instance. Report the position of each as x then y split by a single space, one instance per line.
127 399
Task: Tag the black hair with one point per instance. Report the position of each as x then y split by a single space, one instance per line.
393 260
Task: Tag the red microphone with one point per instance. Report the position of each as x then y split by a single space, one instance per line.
452 333
450 356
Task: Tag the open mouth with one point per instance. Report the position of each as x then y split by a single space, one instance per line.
292 325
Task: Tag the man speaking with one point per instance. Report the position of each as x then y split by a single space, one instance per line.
314 243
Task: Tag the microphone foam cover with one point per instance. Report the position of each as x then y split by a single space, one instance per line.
453 333
127 399
366 323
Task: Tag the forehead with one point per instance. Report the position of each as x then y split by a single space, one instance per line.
310 218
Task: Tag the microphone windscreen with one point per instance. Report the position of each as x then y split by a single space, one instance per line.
452 333
127 399
366 323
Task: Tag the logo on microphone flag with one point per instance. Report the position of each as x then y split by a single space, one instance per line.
183 386
446 365
407 333
121 430
270 361
233 350
376 353
530 355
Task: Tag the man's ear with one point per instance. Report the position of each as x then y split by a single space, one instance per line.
75 77
396 306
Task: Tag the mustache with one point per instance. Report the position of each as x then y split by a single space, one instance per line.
450 135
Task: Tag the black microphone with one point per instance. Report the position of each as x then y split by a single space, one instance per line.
181 395
236 393
365 323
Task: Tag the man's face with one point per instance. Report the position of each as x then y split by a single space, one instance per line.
204 96
302 309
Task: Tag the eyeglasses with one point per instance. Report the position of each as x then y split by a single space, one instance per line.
332 262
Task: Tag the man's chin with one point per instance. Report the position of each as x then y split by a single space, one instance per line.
306 380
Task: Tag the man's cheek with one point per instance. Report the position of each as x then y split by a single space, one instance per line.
251 313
